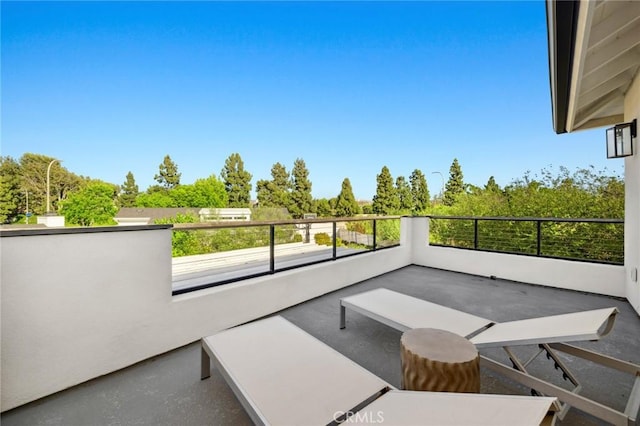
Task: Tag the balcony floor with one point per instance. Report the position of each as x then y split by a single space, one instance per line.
167 389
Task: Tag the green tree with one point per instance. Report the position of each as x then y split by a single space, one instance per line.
275 192
203 193
609 198
168 175
301 201
33 168
8 201
264 194
584 193
281 185
323 208
419 191
92 205
346 204
185 243
562 194
11 199
333 202
386 200
237 181
129 191
156 188
405 196
491 185
157 199
269 214
455 184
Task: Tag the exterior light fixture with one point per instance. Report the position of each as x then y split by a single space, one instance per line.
620 139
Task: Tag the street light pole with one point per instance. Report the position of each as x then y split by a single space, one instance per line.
48 183
441 177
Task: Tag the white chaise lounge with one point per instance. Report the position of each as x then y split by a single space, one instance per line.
284 376
404 312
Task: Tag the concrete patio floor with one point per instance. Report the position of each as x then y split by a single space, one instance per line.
167 389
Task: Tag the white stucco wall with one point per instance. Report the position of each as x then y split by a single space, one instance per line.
581 276
632 200
78 306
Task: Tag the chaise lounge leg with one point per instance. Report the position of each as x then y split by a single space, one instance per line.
342 316
205 364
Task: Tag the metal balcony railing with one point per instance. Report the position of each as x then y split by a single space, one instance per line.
212 254
589 240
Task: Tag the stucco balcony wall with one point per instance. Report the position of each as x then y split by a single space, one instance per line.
78 305
580 276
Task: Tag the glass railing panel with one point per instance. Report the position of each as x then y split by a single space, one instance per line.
353 237
208 255
302 244
387 232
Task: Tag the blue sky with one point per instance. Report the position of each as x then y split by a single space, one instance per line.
112 87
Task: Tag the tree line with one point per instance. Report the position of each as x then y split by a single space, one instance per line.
584 193
86 201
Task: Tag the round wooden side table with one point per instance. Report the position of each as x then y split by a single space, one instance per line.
439 361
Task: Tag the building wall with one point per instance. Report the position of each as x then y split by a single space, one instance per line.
80 305
632 201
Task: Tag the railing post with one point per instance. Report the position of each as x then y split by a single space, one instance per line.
475 234
335 237
272 248
374 234
538 222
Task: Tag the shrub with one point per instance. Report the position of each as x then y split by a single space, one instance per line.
323 238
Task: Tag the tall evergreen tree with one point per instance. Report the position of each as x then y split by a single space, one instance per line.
281 185
129 191
301 201
237 181
263 193
274 192
386 200
404 193
419 191
455 184
168 175
346 204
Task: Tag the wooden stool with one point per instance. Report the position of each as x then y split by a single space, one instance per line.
440 361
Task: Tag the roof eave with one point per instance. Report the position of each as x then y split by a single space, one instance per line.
562 21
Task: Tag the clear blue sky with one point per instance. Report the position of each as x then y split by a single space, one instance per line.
349 87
